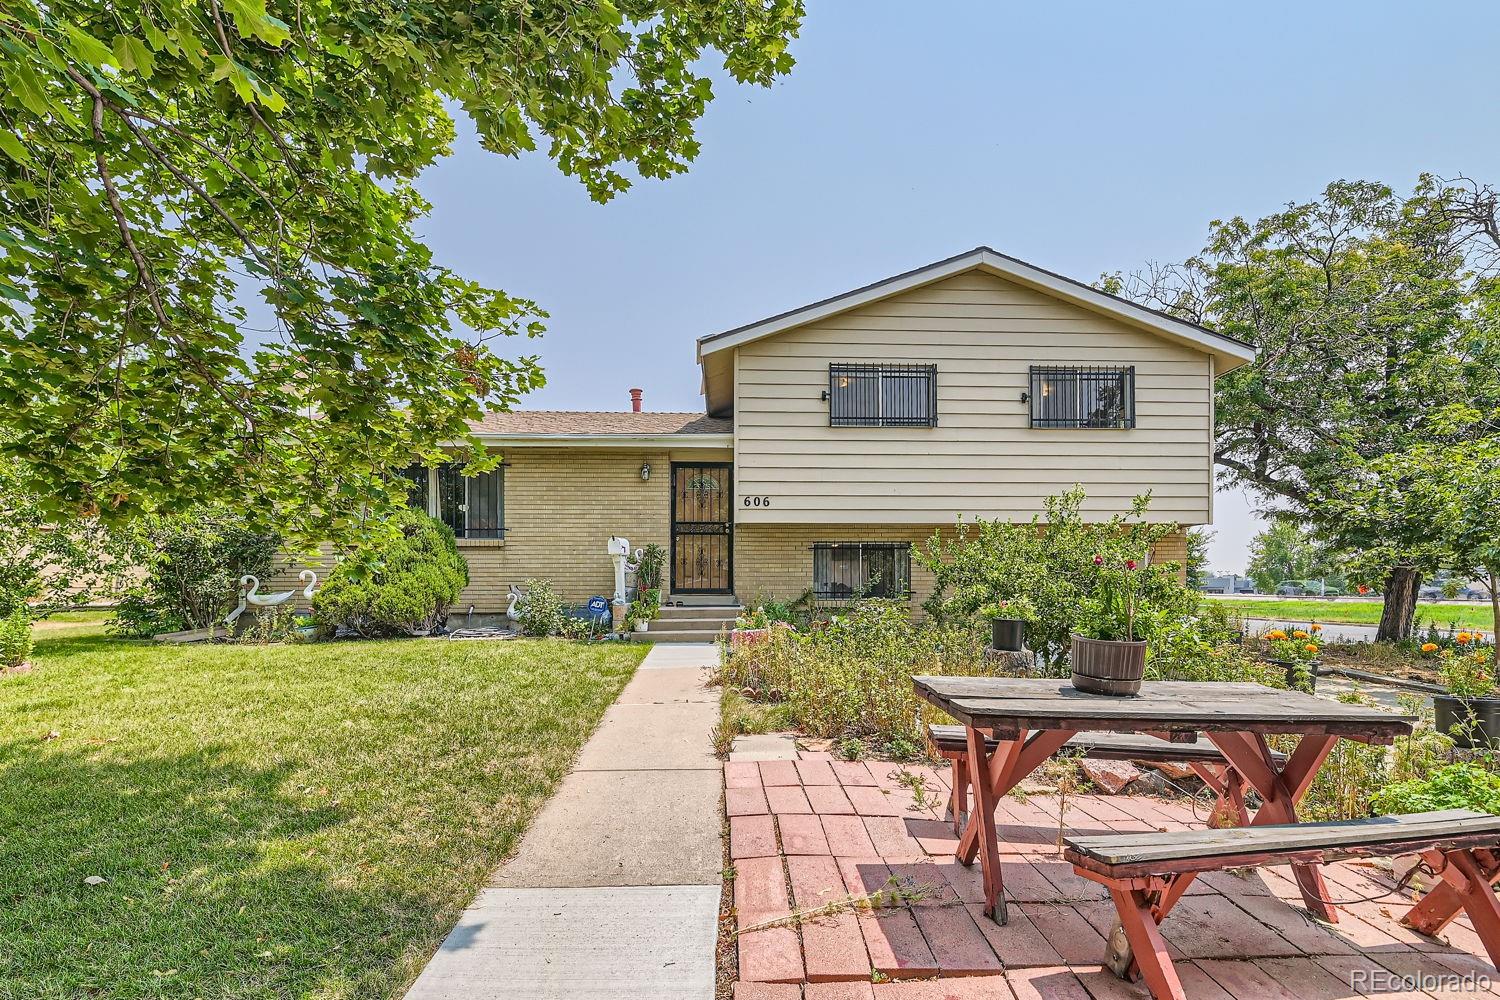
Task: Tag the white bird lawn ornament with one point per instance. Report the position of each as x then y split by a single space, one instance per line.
250 585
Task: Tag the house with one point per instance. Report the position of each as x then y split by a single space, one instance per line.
1228 583
836 435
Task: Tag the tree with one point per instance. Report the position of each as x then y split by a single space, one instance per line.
1196 565
1427 508
1363 306
163 163
1286 550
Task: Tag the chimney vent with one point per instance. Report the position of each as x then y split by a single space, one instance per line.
635 401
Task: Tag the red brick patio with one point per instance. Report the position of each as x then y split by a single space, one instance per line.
808 832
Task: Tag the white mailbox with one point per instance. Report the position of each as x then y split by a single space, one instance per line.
619 551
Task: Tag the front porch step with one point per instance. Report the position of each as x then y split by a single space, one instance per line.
658 633
716 613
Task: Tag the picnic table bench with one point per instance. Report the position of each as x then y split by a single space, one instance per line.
950 743
1001 714
1147 873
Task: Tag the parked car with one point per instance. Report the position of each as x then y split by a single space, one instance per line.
1306 588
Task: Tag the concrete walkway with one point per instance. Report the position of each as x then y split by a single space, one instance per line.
615 889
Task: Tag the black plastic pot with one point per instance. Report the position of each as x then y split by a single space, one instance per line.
1293 680
1474 722
1008 634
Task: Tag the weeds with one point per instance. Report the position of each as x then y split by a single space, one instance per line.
922 794
893 894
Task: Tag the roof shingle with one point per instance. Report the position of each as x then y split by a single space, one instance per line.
599 422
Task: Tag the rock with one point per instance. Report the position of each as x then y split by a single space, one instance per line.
1174 770
1109 776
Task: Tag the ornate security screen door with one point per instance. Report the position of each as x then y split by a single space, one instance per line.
703 528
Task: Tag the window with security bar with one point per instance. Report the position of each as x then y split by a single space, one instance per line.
846 570
872 395
1073 396
473 506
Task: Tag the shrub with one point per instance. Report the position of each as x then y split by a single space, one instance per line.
406 588
15 637
193 570
1047 567
539 612
852 678
1465 785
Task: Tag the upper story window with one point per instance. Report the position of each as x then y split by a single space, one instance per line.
845 570
1082 396
862 395
473 506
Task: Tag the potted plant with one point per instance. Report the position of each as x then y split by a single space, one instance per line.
1297 654
1469 712
648 567
1007 624
1110 659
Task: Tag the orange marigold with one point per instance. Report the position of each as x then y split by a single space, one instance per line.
1299 634
1311 647
1429 647
1276 633
1316 627
1463 638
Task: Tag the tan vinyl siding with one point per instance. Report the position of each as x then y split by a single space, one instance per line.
982 459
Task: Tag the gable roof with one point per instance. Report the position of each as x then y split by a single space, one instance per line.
1228 352
602 427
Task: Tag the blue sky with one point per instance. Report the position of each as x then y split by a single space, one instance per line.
1082 137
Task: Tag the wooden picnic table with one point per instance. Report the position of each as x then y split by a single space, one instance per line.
1031 718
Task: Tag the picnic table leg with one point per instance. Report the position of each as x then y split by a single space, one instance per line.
1437 908
1143 948
982 816
1280 792
1229 787
958 798
1005 773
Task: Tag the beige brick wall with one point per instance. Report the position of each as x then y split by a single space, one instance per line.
561 506
774 561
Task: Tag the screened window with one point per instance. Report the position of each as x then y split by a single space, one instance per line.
1082 397
473 506
882 395
845 570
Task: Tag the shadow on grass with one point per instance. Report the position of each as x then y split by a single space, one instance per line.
217 882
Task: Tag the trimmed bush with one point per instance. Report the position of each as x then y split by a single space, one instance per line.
193 572
406 587
15 637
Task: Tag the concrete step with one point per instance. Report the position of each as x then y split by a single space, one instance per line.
717 614
663 632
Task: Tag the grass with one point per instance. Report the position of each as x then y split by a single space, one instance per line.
1362 612
272 821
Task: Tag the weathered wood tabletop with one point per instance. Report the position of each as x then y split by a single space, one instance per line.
1237 718
1008 704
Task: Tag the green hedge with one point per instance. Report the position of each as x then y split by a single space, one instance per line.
406 587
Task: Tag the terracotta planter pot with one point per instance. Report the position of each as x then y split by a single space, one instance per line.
1102 666
1008 634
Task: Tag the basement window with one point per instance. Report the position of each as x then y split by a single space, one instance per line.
847 570
1064 397
864 395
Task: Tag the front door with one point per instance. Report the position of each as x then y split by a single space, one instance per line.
703 528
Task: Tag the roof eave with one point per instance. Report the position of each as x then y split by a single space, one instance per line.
685 440
1228 352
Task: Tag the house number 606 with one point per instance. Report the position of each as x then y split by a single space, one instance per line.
757 501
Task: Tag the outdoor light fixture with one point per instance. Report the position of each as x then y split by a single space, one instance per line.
645 470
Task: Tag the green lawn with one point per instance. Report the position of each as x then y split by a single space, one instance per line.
1361 612
279 821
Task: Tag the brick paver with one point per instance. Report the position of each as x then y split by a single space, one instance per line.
848 829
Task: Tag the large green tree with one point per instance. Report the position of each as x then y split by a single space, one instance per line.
165 162
1285 550
1370 311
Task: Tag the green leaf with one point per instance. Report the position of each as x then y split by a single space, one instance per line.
14 147
88 49
134 56
251 20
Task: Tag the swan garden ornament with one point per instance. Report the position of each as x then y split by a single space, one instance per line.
250 594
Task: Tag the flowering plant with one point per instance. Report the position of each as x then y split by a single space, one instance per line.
1109 610
1015 607
1467 675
